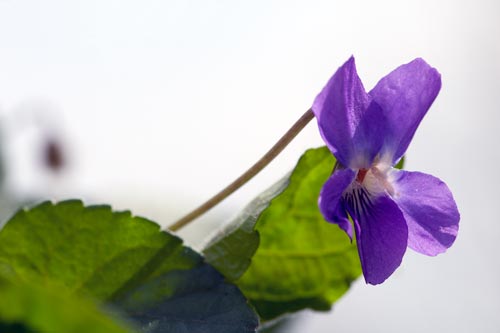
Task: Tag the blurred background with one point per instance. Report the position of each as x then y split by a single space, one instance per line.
153 106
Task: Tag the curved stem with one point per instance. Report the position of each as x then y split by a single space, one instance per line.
249 174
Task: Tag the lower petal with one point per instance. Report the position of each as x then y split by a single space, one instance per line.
430 211
381 234
330 203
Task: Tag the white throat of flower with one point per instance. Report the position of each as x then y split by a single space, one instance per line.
369 183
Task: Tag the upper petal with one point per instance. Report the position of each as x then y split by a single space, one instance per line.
405 95
330 203
381 234
430 211
351 124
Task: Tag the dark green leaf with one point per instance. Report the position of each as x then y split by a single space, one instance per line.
15 328
197 300
30 309
126 260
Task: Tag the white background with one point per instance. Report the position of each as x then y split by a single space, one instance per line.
161 103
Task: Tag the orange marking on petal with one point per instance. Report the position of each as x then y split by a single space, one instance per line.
361 175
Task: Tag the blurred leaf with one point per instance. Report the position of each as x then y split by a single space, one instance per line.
126 260
232 249
30 309
302 261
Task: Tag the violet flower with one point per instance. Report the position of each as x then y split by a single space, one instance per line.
368 133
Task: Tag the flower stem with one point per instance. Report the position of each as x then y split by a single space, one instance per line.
249 174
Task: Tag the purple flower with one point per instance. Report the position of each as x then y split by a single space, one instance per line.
368 133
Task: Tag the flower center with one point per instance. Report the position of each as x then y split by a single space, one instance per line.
361 175
368 185
374 180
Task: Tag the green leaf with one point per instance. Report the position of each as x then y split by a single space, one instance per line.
401 163
87 249
302 261
30 309
121 259
231 251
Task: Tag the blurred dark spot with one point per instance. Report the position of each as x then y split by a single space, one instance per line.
53 155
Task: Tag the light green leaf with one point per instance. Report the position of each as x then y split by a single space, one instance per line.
25 308
400 165
302 261
121 259
232 249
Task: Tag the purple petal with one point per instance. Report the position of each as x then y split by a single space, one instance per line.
349 122
405 95
330 203
430 211
381 234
